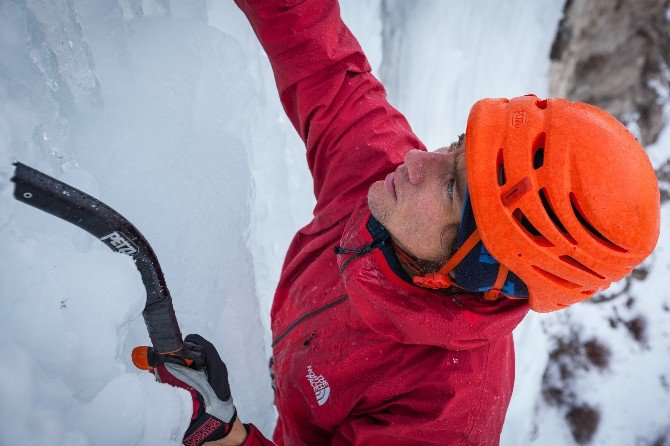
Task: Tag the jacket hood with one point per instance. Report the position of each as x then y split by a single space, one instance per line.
393 307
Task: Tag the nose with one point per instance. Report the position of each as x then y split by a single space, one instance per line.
420 163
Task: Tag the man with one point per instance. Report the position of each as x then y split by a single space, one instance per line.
393 317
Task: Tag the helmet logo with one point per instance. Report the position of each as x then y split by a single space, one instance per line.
516 192
519 119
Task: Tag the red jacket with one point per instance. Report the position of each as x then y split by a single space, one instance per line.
364 357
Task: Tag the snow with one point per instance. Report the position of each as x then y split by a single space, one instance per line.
166 110
150 116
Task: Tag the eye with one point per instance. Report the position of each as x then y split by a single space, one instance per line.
450 188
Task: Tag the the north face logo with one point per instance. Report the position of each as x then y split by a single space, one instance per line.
320 386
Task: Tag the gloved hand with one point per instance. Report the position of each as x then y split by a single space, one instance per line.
213 410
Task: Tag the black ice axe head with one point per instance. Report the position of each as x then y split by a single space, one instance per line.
95 217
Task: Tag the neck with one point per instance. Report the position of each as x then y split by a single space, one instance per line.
412 265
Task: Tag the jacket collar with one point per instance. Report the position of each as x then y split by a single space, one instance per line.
384 296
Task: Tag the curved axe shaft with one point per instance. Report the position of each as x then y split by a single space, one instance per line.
95 217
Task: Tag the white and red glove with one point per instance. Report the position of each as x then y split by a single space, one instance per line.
213 410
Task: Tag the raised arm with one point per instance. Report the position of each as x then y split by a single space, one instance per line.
352 134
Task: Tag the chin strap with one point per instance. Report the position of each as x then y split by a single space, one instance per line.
407 260
494 292
441 279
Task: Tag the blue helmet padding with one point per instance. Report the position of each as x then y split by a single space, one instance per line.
478 270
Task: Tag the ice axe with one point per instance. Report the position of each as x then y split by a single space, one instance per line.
95 217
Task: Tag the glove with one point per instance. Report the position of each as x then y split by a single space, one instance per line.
213 410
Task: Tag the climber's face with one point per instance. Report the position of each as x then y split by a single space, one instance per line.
422 201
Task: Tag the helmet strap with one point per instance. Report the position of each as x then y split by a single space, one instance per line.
441 278
494 292
407 260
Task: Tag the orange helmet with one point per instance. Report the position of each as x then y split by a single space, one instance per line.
562 194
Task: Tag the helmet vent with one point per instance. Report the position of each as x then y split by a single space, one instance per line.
529 229
538 158
556 279
538 150
580 266
554 218
500 169
589 227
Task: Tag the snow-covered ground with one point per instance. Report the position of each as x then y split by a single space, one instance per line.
167 111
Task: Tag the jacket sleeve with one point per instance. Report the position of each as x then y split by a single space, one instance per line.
255 438
352 134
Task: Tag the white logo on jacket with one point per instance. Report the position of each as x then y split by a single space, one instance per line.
320 386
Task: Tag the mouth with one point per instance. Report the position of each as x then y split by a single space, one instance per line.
389 184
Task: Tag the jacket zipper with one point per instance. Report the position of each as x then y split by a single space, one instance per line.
305 341
306 316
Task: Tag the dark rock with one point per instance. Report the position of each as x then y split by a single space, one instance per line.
583 421
663 175
597 353
637 327
615 55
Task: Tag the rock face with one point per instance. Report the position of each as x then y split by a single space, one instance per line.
615 55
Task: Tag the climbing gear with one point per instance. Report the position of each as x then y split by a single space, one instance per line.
562 194
95 217
214 412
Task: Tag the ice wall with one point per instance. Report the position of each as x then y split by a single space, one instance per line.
147 107
442 56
